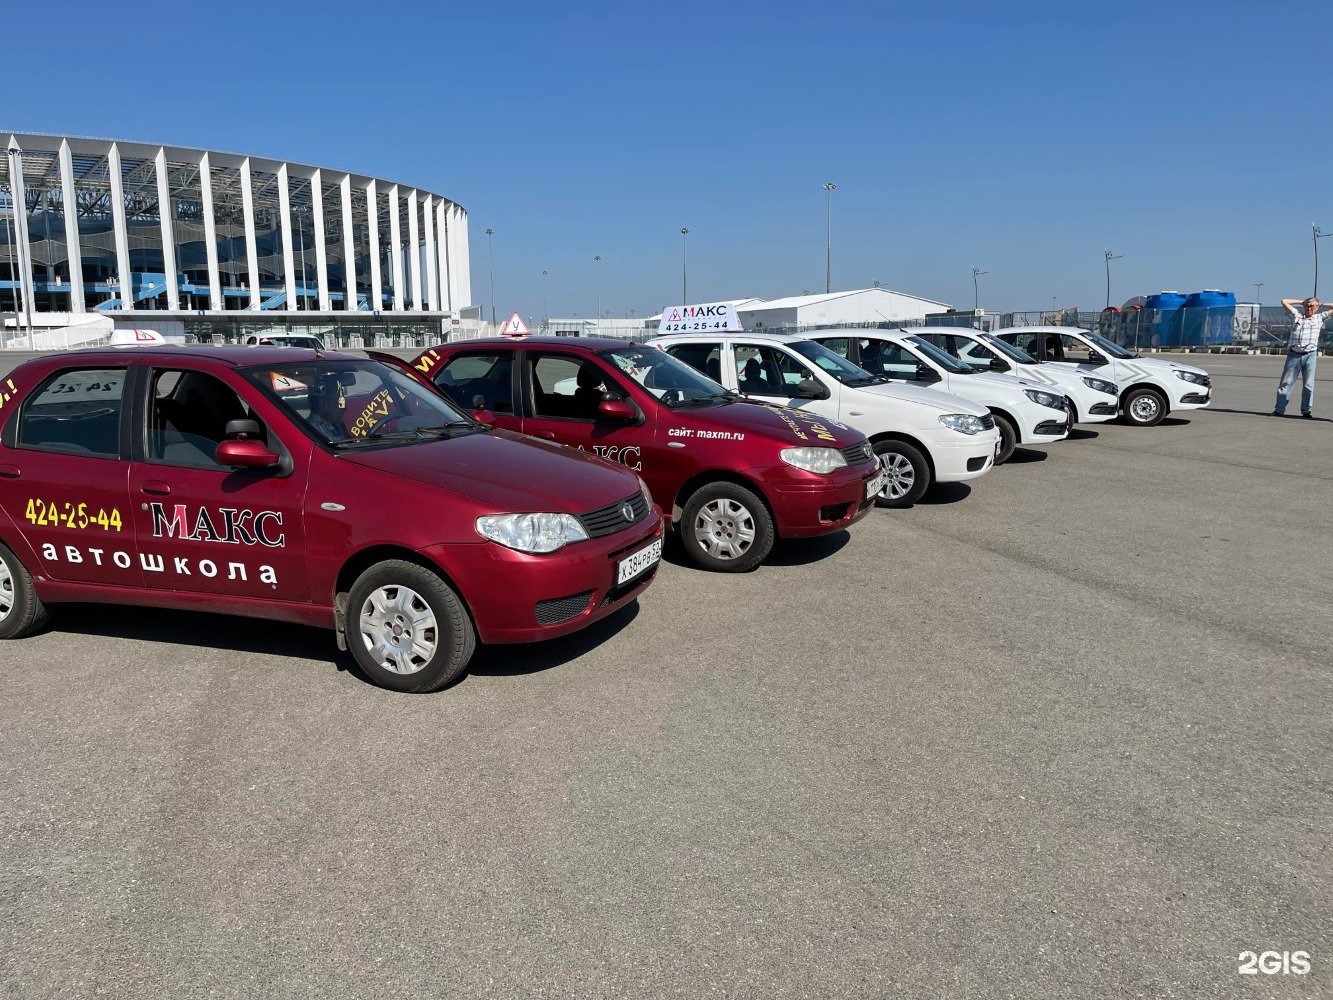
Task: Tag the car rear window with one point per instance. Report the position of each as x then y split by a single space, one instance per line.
76 411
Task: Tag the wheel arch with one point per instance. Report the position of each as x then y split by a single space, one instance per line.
704 478
363 559
906 439
1152 387
1014 422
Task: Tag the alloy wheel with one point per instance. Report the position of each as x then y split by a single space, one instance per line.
900 479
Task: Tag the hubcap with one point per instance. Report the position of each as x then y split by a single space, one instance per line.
901 476
1145 407
6 591
724 529
399 629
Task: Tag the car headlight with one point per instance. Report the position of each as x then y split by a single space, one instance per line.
1047 399
531 532
1196 377
963 423
821 460
1101 385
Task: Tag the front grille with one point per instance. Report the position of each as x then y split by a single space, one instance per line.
562 609
858 453
610 519
976 464
988 422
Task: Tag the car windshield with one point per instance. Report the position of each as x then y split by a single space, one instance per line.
673 382
950 364
834 364
1107 347
356 403
1009 350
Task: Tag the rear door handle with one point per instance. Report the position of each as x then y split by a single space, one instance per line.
156 487
10 471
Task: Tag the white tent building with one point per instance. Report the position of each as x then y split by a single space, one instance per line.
860 306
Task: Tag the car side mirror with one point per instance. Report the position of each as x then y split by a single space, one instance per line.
999 365
925 373
617 410
479 411
1095 359
809 388
247 453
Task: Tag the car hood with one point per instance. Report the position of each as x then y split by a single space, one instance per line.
512 473
943 402
1049 376
1007 382
1161 365
786 425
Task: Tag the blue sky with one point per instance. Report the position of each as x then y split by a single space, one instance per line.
1020 137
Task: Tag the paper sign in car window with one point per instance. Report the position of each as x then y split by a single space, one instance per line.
285 383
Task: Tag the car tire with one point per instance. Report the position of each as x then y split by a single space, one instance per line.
908 474
407 629
1143 406
1008 438
21 610
726 528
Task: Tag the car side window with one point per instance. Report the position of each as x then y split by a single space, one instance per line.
488 375
565 387
881 357
77 411
191 413
767 371
838 345
1029 342
1072 348
705 357
972 352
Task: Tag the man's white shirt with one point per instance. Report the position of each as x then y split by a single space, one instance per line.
1305 335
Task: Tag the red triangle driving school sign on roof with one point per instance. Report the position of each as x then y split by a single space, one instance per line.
515 327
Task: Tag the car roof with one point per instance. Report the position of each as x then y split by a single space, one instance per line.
594 344
781 338
1041 329
233 356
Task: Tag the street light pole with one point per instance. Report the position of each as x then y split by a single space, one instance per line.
1258 311
546 317
1109 257
490 254
684 273
598 261
830 187
1319 234
976 293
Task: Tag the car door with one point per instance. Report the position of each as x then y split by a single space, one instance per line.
561 393
66 471
487 375
206 528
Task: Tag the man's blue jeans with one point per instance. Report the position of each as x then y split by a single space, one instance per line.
1297 364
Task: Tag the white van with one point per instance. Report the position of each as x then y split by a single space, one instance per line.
1095 400
921 435
279 339
1150 388
1025 412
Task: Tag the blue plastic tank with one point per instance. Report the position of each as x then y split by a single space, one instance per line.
1162 318
1208 318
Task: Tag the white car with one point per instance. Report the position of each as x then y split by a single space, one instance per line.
1150 388
1095 400
305 340
1025 412
920 435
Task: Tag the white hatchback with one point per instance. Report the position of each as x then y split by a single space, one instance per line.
1150 388
921 435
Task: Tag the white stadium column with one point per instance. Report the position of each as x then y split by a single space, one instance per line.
321 249
288 255
251 248
210 234
414 251
18 195
120 227
441 242
349 242
168 229
72 244
464 260
396 251
373 241
432 274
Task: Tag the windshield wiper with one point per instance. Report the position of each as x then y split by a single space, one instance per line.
866 380
441 430
726 395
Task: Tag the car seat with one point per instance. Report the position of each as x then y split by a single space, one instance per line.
588 395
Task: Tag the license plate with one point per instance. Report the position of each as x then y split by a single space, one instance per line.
874 486
636 562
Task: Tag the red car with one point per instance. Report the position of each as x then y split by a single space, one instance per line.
735 474
310 487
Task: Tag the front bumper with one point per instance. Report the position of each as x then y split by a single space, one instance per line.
1050 428
959 457
806 504
507 590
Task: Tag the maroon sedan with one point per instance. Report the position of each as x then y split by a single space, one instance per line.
310 487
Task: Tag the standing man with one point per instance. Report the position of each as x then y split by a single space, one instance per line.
1302 350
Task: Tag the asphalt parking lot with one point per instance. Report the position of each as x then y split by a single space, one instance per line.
1064 732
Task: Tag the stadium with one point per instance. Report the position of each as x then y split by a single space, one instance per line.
212 246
